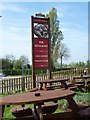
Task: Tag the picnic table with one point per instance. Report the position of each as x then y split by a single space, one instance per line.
45 96
43 83
84 77
81 77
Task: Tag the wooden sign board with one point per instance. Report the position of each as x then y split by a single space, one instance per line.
40 43
41 50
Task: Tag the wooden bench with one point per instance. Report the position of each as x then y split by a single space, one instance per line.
49 108
62 116
20 111
80 84
43 83
76 84
21 118
85 114
82 106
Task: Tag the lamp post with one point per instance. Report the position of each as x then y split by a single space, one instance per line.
28 67
22 68
11 67
23 79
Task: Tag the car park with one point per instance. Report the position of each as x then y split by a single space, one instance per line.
2 75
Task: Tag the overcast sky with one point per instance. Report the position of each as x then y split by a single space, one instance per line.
15 27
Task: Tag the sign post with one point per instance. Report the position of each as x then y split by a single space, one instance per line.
41 46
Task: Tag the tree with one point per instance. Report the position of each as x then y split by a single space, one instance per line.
21 62
56 35
63 52
7 61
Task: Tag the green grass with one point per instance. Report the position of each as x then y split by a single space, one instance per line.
82 98
7 113
58 111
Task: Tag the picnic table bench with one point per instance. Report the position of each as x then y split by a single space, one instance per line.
83 83
43 83
45 96
81 77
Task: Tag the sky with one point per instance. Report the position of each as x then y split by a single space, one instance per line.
15 27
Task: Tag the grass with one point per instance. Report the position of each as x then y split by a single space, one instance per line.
82 98
7 113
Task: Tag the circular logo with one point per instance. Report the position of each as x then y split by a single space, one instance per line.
41 30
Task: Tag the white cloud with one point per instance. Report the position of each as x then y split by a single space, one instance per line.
11 7
69 10
15 43
76 40
64 10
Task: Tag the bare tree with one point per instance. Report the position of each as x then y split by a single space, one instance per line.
63 52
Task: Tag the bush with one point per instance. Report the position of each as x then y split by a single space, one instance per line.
16 72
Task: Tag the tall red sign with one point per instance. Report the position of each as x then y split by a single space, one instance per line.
41 43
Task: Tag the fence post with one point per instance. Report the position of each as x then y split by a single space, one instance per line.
23 83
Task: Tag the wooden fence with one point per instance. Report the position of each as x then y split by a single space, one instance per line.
15 84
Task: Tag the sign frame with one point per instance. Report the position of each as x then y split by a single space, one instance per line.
43 21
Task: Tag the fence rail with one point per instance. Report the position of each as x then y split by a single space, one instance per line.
24 83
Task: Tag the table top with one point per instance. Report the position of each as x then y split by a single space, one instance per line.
54 80
82 76
30 98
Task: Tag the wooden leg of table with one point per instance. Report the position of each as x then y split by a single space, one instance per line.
63 84
41 86
35 109
1 111
45 85
40 112
36 114
72 104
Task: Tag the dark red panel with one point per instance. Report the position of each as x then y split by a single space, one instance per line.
40 53
41 65
40 43
41 20
41 58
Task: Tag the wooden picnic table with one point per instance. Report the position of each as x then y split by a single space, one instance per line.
81 77
43 83
84 77
45 96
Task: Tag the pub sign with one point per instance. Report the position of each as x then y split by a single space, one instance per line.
40 42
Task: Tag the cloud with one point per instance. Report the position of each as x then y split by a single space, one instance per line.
63 10
70 10
11 7
15 43
76 40
75 30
